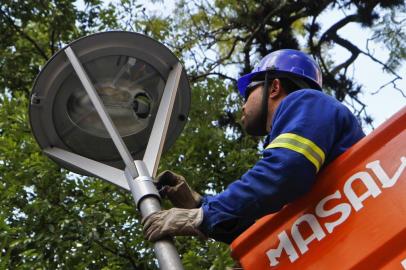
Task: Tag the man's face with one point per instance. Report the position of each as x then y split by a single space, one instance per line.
251 112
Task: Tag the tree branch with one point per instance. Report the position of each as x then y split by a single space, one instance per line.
23 34
335 27
115 252
394 86
355 51
221 75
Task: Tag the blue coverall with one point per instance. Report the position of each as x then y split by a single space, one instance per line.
309 130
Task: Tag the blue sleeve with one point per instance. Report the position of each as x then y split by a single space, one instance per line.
305 127
266 188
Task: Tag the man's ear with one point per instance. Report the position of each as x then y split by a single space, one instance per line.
275 89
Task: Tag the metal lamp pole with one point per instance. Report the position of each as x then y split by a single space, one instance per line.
139 173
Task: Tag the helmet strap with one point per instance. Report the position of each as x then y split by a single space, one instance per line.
264 109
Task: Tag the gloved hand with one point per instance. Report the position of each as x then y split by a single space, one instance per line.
177 190
175 221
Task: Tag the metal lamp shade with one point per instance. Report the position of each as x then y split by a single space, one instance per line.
129 72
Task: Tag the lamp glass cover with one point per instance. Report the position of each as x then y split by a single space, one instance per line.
130 90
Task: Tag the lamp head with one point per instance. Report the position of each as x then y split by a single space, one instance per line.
129 72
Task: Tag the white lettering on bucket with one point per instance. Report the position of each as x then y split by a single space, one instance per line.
344 208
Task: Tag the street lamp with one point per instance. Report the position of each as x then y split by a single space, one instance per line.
107 105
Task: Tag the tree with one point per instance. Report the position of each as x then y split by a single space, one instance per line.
221 34
51 219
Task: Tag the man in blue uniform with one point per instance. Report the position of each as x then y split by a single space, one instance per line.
306 129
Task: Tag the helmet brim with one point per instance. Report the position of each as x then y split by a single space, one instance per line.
245 80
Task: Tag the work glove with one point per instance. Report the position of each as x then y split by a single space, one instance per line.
177 190
172 222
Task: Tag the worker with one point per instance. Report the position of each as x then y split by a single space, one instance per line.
306 129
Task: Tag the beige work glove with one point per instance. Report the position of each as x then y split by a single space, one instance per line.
177 190
172 222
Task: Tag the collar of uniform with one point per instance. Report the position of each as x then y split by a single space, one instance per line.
267 140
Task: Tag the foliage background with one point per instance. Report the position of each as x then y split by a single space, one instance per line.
52 219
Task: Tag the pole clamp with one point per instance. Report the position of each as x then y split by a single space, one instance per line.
143 185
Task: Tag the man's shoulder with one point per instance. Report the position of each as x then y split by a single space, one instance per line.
306 105
312 98
310 94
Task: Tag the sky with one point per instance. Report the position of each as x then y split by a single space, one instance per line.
387 101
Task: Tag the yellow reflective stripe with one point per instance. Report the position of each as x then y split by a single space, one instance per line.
299 150
306 148
301 145
305 141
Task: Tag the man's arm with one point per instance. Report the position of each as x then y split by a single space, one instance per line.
306 127
278 178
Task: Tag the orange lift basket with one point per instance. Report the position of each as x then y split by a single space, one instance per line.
353 218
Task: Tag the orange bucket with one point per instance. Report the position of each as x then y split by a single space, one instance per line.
353 218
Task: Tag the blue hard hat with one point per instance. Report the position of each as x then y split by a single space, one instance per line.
285 63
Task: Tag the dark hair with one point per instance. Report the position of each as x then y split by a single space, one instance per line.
288 85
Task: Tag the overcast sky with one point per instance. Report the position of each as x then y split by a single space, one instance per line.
386 102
